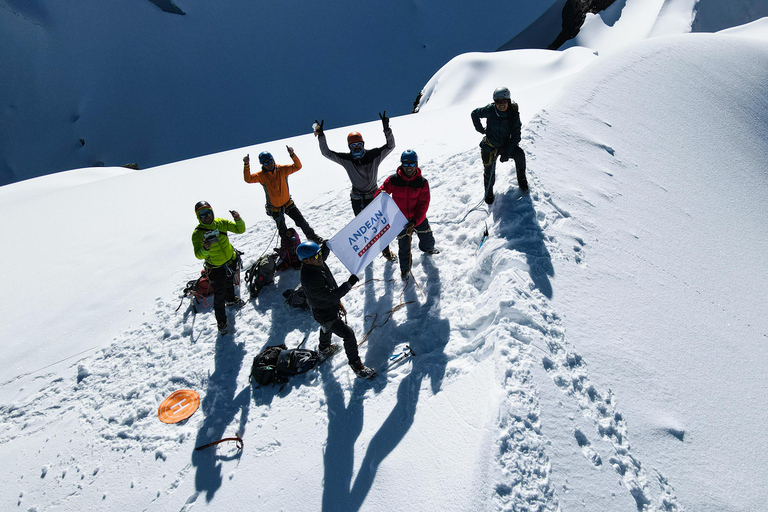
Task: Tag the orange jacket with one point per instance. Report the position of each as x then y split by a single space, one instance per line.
275 183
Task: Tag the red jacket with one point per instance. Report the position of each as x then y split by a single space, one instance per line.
411 194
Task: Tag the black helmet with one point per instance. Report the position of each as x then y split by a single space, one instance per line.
200 206
501 93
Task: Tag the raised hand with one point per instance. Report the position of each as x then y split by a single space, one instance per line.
318 127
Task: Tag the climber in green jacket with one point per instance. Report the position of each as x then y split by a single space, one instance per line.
222 261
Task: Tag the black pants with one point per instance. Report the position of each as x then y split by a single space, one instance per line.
490 154
293 212
426 243
222 281
360 203
345 332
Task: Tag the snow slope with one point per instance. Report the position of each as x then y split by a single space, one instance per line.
136 84
602 350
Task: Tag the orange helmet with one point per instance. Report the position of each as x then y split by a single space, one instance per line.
354 137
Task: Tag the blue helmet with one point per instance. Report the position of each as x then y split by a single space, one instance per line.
307 250
265 157
409 155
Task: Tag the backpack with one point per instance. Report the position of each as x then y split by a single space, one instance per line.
263 367
286 253
276 364
296 298
198 289
260 274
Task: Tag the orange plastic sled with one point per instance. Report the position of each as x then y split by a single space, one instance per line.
179 406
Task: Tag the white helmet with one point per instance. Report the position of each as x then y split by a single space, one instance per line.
501 93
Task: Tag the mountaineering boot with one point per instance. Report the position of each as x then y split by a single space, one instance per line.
238 303
327 352
489 198
223 328
389 255
405 274
363 371
432 251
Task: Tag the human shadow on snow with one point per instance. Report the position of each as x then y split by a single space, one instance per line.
428 335
517 223
286 319
221 403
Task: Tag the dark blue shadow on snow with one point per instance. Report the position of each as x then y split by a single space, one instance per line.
518 224
220 404
221 401
428 335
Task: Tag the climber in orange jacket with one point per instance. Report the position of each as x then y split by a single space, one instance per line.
274 179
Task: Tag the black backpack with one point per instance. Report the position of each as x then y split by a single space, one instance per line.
296 298
276 364
260 274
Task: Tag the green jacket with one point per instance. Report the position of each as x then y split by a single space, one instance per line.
222 251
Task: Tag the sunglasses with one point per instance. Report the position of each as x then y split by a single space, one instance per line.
357 145
501 101
409 164
204 213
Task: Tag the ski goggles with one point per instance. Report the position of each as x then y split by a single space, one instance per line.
409 164
356 145
204 213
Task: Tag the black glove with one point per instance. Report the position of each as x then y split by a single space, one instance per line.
504 156
319 127
353 280
384 120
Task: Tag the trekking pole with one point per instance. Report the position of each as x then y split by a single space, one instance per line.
304 341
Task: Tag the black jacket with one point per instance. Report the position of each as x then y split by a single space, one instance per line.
323 294
502 128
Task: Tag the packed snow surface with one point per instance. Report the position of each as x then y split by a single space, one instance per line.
604 348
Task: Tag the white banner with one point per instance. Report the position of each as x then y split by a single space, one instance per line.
360 241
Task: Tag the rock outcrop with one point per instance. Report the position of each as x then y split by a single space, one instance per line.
574 14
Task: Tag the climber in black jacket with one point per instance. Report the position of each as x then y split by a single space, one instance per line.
324 298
